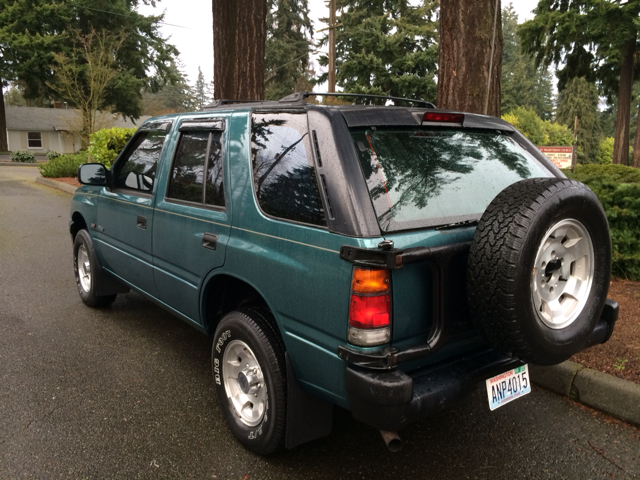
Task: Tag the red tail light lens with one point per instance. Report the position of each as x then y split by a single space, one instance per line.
370 312
443 117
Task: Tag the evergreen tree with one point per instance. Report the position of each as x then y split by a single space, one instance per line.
239 37
595 39
289 33
579 99
32 31
202 91
522 84
469 62
386 47
173 97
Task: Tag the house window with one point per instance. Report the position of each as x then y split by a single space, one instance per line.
34 139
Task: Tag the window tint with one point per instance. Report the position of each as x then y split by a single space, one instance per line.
421 177
138 170
188 170
215 186
188 167
284 178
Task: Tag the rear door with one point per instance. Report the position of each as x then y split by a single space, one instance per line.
192 215
125 213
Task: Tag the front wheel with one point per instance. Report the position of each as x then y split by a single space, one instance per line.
85 264
249 371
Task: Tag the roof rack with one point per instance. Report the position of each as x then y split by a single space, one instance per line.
224 101
301 96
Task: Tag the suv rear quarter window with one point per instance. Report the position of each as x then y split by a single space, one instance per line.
284 176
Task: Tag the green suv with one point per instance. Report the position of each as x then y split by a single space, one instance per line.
384 259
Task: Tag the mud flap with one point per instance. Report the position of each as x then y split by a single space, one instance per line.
308 417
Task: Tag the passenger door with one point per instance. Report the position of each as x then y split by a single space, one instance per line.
192 216
125 212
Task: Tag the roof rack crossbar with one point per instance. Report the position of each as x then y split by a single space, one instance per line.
225 101
297 95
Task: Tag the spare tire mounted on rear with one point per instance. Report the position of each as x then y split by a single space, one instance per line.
538 271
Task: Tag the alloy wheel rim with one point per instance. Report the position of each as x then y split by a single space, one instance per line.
84 269
244 383
562 274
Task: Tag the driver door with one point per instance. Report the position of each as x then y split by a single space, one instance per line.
125 213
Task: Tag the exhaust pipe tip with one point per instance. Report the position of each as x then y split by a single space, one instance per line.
392 440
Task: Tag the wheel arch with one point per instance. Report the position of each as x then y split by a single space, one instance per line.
223 293
77 223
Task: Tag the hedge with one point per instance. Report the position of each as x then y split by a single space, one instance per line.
106 144
618 188
63 165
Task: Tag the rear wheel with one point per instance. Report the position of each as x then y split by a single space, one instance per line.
249 371
85 264
538 270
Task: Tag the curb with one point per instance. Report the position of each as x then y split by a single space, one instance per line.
59 185
614 396
18 164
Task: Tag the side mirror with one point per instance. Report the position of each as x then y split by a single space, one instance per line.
92 174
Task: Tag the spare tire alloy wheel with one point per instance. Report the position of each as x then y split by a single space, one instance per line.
539 268
249 372
563 273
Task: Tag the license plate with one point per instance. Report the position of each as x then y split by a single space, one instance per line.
508 386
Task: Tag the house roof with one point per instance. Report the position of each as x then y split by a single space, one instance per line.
58 119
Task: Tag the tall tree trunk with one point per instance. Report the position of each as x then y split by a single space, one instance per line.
3 123
623 117
239 36
636 144
465 66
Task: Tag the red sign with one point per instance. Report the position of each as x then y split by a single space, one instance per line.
560 156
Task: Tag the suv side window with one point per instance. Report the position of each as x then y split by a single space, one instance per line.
189 166
284 177
137 170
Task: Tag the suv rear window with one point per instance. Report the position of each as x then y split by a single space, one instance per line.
424 178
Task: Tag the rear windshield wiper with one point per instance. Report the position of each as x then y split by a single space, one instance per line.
465 223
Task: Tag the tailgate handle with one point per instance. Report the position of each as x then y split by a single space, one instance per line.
142 222
210 241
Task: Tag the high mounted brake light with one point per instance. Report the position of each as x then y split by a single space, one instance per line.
443 117
370 307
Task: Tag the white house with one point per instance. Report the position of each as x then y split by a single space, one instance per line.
41 130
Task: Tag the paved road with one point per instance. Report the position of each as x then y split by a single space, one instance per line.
125 392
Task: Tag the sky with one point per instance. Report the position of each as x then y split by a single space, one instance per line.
188 25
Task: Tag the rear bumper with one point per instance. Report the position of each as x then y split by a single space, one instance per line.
391 400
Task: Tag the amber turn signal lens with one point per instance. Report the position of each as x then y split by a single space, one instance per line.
370 281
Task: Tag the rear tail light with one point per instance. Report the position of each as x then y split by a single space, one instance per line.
370 307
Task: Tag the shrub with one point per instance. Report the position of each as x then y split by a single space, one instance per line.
64 165
605 155
618 189
557 134
51 155
540 132
23 157
106 144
